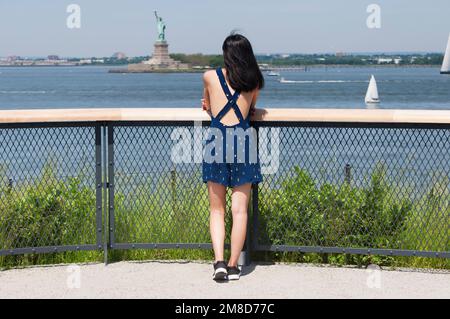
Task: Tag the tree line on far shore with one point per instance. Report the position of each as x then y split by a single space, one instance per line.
318 59
286 60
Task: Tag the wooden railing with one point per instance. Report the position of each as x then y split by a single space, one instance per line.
196 114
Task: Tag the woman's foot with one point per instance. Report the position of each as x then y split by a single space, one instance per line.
220 271
234 273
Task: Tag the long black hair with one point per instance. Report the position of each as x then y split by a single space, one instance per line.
243 71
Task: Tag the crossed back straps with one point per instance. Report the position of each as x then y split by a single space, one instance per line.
232 98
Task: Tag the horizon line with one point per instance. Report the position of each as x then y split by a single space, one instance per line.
256 54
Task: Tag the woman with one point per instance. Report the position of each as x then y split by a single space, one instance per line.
230 96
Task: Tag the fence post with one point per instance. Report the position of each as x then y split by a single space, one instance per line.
111 210
173 188
348 173
255 216
105 193
99 185
251 234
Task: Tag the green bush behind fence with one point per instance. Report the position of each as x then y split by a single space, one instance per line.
296 212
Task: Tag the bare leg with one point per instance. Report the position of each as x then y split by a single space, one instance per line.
217 194
239 205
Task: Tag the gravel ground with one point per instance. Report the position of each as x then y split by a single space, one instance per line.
178 279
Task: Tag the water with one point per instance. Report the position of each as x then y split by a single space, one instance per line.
343 87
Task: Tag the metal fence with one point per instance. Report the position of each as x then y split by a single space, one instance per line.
50 188
359 189
355 188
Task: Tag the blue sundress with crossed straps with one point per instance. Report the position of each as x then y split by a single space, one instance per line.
236 166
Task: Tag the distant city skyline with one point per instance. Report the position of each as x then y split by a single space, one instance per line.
113 55
38 28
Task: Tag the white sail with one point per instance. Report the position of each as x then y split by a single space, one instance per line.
372 92
446 64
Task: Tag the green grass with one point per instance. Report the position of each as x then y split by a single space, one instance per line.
51 211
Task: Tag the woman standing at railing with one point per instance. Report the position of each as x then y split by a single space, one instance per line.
237 87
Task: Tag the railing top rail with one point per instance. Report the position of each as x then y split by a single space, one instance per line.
196 114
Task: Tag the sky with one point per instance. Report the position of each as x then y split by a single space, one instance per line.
38 28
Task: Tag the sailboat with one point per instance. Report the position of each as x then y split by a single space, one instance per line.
372 92
446 64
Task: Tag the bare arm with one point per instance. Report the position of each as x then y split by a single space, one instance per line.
254 100
205 100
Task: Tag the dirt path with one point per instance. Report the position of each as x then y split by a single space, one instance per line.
193 280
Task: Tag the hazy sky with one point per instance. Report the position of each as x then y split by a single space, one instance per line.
38 28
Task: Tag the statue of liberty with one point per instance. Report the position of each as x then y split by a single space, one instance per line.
161 28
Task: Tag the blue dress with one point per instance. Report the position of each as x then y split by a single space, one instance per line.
230 156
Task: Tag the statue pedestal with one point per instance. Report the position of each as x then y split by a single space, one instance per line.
161 55
160 61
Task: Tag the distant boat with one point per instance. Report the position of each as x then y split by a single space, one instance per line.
283 80
372 92
273 73
446 63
